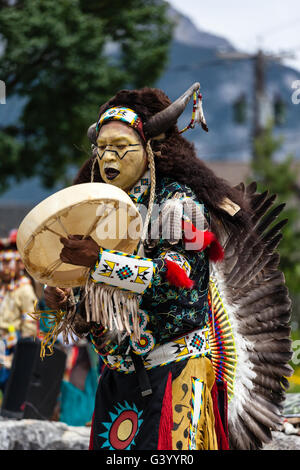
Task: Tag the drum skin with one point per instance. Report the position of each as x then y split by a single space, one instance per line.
102 211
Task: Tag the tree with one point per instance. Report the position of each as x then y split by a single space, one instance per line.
57 58
281 178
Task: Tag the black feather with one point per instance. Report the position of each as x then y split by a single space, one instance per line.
256 288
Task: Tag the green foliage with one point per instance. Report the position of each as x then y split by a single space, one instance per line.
240 110
56 57
279 111
281 178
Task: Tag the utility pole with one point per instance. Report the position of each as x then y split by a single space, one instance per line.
259 95
261 110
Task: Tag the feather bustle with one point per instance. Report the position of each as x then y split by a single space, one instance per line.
253 291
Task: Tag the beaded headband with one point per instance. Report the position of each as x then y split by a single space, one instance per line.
126 115
9 255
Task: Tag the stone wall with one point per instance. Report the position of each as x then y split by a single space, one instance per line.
29 434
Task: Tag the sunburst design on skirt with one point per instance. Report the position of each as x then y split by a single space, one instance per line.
123 427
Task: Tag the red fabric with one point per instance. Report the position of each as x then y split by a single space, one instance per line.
202 240
222 386
177 276
216 252
222 434
166 419
71 361
13 235
91 445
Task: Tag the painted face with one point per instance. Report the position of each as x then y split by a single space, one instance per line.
123 159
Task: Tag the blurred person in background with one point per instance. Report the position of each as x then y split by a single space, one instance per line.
17 299
75 404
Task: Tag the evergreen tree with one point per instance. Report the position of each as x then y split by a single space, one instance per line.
63 59
281 178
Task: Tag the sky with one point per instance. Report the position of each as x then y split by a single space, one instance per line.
272 25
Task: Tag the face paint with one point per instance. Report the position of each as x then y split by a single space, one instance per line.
122 157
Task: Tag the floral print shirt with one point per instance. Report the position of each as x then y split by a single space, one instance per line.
172 311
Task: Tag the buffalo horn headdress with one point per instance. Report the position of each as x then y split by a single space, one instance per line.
151 128
163 120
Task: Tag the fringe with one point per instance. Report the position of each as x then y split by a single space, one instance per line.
206 438
183 406
57 322
114 309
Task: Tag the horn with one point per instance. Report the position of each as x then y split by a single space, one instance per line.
91 133
163 120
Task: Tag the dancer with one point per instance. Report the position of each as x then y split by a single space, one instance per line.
17 299
193 327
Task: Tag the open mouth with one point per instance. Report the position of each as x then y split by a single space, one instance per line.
111 173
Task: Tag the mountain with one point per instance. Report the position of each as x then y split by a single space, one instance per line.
194 56
187 33
223 82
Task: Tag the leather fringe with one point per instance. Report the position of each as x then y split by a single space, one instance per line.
114 309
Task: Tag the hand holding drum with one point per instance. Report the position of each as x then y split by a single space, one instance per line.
79 251
59 239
